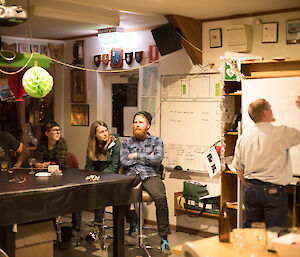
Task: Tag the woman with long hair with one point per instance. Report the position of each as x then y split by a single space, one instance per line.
103 154
52 148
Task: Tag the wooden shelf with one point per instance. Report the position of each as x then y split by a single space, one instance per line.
180 211
232 94
232 133
269 61
31 148
229 172
235 93
271 68
233 206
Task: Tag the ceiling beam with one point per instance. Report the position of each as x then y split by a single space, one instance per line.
191 30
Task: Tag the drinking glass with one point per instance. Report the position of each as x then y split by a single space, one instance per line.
259 238
31 162
4 166
238 237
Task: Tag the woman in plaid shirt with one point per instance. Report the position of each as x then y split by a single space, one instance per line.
52 147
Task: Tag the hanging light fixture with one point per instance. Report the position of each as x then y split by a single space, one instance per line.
37 82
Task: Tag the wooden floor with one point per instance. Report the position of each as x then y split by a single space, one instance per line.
86 249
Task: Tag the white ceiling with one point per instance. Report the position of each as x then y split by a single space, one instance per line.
71 18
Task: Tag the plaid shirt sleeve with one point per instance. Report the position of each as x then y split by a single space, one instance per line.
40 152
155 157
124 152
60 151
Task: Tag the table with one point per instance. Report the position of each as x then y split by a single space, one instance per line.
40 198
213 248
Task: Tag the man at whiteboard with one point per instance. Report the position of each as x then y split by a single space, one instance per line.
141 156
263 165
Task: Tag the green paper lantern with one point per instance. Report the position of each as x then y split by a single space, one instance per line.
37 82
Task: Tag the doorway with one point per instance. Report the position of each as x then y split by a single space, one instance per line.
124 104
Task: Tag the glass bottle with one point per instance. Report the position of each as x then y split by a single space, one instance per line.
224 225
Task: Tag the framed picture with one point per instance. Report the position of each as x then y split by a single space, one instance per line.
78 86
22 48
34 48
11 47
215 38
80 115
56 51
293 31
270 32
5 93
44 49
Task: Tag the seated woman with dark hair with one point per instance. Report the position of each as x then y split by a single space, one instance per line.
52 147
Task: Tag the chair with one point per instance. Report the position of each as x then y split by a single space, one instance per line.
146 198
72 160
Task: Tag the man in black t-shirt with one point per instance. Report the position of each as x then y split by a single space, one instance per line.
9 142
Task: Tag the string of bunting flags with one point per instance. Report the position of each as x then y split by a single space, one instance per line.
116 57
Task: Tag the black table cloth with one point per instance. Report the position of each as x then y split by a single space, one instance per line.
39 198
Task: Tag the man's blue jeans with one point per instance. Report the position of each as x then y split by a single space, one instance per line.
265 202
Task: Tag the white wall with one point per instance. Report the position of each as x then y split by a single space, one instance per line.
266 50
99 91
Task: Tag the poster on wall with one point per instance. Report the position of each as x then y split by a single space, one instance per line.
293 32
149 94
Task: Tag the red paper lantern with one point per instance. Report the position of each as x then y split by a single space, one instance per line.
15 85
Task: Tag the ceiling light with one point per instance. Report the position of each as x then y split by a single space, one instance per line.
109 36
74 16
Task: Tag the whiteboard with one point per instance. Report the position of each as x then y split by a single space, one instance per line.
281 94
188 129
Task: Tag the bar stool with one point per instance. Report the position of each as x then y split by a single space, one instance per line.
142 245
146 198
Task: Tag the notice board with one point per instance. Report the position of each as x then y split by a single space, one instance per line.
190 119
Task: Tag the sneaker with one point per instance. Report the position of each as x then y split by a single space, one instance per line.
165 247
133 228
93 235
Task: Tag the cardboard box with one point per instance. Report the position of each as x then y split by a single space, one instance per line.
287 245
35 240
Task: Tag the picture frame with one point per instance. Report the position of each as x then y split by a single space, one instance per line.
10 47
56 51
215 38
80 115
22 48
293 31
44 50
270 32
34 48
78 86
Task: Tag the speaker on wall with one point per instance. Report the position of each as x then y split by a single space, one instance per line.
166 39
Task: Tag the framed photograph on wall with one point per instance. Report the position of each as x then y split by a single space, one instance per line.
22 48
270 32
44 49
78 86
215 38
34 48
293 31
80 115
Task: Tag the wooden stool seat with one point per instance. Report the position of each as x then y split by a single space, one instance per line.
146 197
